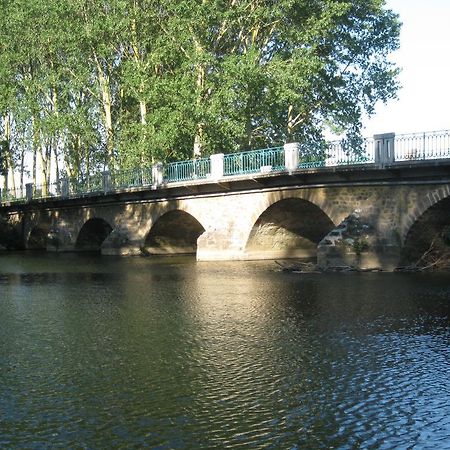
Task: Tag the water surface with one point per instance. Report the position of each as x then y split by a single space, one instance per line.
99 352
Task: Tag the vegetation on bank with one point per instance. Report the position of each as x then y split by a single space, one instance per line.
86 85
435 256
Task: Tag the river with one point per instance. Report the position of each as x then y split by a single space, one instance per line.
101 352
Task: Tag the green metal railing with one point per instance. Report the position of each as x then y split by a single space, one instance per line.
311 161
263 160
16 195
195 169
88 185
47 190
129 178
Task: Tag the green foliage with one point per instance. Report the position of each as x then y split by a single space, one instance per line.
360 245
130 82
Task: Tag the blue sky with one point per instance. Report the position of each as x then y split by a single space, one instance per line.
424 101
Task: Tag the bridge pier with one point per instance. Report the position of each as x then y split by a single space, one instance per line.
119 243
61 237
218 245
360 240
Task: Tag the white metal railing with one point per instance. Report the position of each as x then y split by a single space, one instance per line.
338 154
422 146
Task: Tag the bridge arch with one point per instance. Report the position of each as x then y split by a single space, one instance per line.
11 237
290 226
173 231
421 207
37 238
429 227
92 234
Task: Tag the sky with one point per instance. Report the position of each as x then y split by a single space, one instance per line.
424 56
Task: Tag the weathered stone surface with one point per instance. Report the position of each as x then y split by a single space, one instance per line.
357 242
252 224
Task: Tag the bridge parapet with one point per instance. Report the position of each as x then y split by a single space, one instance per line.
382 151
422 146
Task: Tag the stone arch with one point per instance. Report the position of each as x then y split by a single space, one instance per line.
11 229
92 234
317 197
427 228
421 207
38 237
174 231
36 229
288 227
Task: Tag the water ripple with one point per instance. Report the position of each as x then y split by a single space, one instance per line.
219 356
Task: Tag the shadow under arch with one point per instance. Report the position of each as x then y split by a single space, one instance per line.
92 234
289 228
38 237
11 237
174 233
428 228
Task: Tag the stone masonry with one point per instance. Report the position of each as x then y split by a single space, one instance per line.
278 222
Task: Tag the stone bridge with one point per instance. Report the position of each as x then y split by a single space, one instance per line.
268 215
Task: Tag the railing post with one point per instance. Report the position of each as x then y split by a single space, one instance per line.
384 148
157 174
106 181
217 166
291 151
64 187
29 191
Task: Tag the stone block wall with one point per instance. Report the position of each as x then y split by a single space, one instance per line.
283 222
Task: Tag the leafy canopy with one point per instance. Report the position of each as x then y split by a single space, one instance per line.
129 82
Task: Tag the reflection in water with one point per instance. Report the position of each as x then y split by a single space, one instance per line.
171 354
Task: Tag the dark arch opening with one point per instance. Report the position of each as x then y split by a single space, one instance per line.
174 233
10 236
289 228
92 235
429 234
38 238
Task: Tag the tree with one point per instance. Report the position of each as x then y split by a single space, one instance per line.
123 83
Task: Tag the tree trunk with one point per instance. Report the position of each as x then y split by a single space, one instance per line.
42 163
106 96
11 172
57 176
201 79
290 124
106 104
198 141
143 113
36 140
22 170
6 149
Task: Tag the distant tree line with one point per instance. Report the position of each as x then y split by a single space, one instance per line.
93 84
